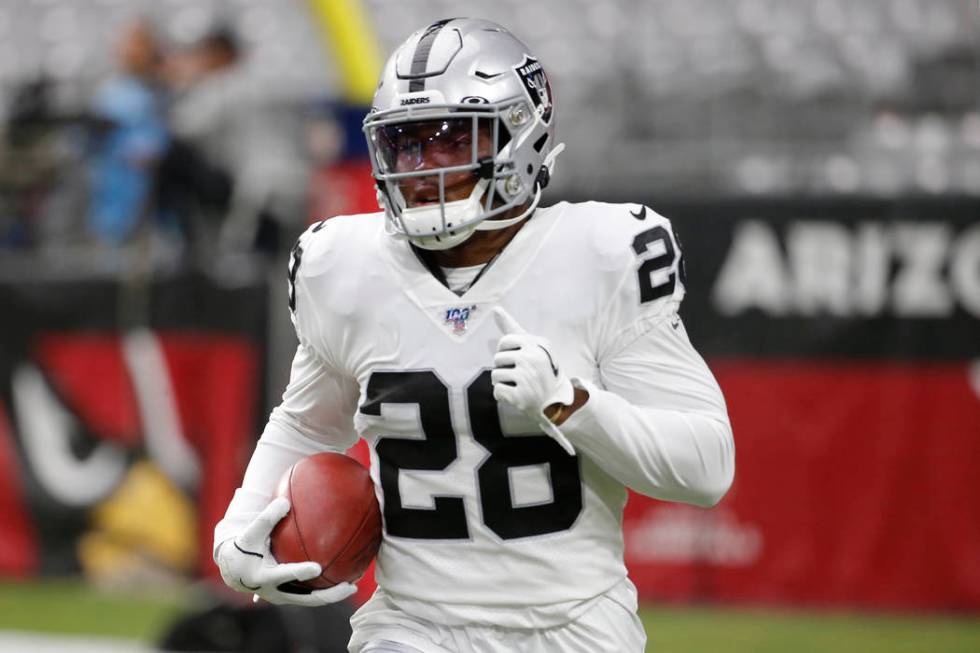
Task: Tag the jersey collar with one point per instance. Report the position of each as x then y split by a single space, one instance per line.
434 298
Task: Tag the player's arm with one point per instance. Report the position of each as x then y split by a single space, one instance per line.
316 415
658 424
656 420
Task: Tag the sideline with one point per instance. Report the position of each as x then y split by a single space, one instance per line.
19 642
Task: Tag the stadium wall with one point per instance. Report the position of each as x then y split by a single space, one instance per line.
128 408
846 337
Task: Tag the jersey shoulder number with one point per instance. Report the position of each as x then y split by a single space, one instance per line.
661 263
631 240
296 258
329 248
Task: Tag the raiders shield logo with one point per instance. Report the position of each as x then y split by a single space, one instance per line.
537 86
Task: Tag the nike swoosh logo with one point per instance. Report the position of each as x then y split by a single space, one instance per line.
248 553
641 214
554 368
483 75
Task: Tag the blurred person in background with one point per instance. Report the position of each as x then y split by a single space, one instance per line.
234 158
505 531
28 165
195 180
131 141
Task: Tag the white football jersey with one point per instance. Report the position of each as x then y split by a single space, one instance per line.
482 510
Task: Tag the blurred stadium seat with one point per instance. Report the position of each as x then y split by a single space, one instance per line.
647 86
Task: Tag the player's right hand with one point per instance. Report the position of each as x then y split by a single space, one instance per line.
247 565
526 376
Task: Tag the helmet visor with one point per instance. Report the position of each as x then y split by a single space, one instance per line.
435 160
433 144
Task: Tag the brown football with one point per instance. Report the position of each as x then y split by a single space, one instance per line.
334 518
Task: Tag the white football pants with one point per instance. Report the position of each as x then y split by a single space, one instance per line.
607 627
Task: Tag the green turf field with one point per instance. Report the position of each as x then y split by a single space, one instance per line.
716 630
73 607
70 607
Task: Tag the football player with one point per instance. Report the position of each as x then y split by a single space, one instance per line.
514 368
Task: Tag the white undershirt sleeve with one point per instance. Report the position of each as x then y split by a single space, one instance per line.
658 423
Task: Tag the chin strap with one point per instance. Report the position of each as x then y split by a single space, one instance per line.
549 163
485 225
390 230
449 209
493 225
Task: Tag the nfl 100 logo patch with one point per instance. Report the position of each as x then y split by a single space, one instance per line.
457 317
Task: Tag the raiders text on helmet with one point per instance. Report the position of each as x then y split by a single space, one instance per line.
462 79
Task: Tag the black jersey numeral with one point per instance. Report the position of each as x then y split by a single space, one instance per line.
508 452
447 520
653 285
295 257
437 450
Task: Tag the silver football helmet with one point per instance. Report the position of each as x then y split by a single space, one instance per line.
459 100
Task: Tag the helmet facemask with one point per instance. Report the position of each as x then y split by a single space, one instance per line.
422 157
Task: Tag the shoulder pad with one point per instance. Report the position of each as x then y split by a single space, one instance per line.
639 251
331 244
296 258
626 235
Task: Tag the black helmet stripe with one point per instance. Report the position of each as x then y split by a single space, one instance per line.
420 59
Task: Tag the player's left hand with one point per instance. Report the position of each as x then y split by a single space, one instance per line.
527 376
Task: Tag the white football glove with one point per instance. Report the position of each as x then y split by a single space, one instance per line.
247 565
527 376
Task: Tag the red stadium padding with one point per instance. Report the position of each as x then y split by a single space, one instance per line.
88 372
213 380
18 545
343 188
856 485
